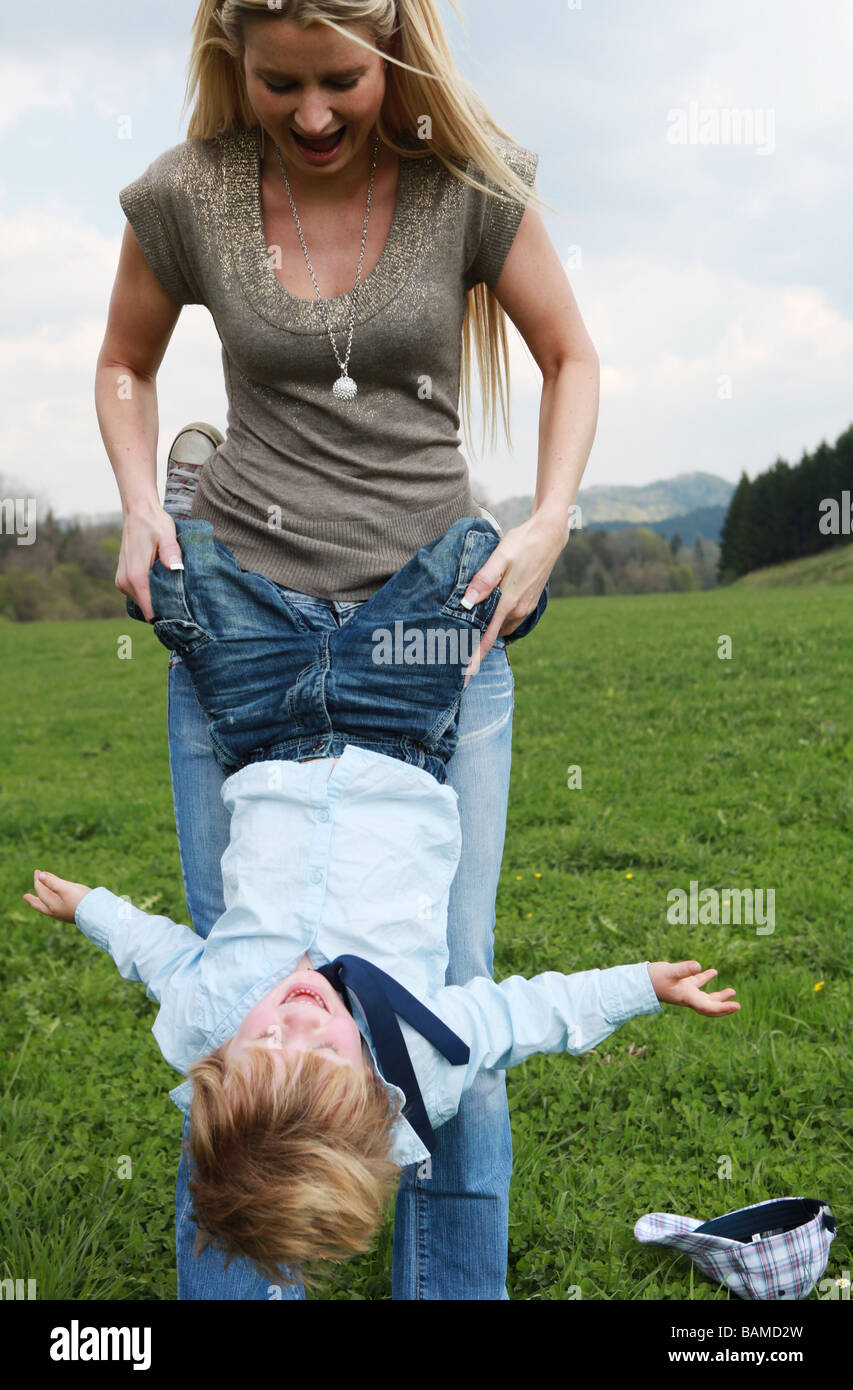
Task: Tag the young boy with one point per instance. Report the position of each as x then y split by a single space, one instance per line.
344 842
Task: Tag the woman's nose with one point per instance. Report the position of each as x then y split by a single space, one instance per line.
313 115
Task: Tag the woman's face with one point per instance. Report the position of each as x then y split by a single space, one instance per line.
313 82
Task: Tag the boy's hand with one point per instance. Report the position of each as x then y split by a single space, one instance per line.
682 984
55 897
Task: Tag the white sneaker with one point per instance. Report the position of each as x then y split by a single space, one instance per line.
190 450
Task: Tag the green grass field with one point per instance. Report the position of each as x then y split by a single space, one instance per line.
738 774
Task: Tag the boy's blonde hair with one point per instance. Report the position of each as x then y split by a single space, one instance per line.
288 1167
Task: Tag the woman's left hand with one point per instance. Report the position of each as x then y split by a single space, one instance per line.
521 565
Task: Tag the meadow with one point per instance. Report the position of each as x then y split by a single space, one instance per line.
735 773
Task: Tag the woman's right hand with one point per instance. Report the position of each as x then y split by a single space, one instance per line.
144 537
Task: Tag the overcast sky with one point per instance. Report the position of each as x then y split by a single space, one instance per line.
700 263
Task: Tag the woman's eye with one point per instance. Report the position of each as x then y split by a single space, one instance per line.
338 86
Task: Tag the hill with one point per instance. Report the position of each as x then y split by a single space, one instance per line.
706 522
655 501
670 501
831 567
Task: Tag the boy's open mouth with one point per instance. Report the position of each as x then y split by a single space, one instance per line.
303 991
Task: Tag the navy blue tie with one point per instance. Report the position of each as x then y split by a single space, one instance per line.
382 998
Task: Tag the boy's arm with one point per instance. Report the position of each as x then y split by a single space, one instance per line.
504 1024
147 948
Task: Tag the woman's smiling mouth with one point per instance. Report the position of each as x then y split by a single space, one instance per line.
321 141
320 151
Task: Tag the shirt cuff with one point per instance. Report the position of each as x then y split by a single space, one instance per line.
98 913
182 1096
626 991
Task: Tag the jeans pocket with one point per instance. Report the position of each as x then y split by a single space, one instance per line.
174 622
181 635
478 546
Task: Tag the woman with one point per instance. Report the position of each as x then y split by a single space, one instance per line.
342 456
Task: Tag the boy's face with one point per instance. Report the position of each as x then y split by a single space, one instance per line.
303 1013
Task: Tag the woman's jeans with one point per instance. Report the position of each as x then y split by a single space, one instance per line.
451 1218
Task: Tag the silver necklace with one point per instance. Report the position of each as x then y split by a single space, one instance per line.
344 388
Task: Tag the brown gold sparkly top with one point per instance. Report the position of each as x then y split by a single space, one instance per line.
325 496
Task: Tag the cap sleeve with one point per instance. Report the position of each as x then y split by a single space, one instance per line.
158 205
492 224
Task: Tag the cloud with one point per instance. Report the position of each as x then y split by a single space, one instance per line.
666 334
56 289
26 87
93 78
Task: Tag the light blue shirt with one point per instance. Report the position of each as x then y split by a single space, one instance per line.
358 862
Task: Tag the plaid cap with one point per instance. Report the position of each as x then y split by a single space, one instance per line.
774 1249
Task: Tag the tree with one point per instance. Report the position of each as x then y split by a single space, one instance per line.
734 556
776 517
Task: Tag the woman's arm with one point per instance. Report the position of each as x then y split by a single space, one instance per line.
535 292
141 321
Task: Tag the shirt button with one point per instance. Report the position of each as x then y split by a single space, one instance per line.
322 815
316 876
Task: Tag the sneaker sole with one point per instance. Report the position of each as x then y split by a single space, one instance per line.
209 433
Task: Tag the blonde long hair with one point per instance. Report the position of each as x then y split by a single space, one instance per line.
410 35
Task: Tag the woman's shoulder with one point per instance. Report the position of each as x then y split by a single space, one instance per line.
492 215
169 205
474 204
447 177
518 157
181 167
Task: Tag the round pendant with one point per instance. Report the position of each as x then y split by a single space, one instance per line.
345 389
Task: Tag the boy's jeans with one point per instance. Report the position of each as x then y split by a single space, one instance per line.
274 687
